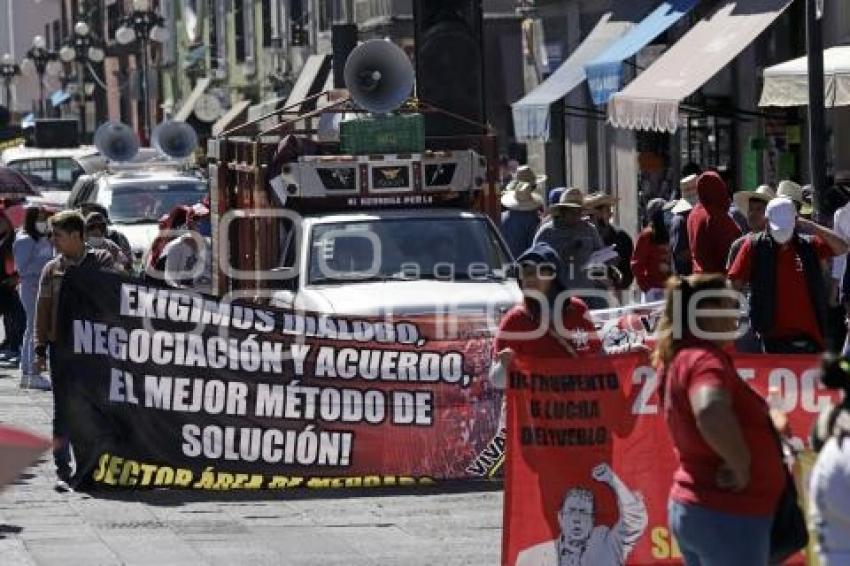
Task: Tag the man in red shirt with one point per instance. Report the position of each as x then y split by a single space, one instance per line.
711 230
783 269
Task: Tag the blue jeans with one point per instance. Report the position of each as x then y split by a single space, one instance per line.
29 297
712 538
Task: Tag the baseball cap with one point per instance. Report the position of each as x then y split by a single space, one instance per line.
555 195
781 218
95 219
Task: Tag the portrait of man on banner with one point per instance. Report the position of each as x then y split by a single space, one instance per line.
585 542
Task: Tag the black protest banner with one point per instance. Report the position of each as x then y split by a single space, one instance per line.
166 388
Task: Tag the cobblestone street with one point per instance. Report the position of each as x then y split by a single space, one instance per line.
43 527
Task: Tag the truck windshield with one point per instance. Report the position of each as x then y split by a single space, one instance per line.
405 249
147 202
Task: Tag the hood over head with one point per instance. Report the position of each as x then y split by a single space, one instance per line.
713 192
541 253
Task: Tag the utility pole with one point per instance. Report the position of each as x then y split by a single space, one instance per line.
817 127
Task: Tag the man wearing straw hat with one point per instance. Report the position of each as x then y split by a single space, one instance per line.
523 204
753 205
576 240
599 207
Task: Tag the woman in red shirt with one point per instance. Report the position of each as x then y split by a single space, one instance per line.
651 258
549 323
730 475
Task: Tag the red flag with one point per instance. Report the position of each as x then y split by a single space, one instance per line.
18 450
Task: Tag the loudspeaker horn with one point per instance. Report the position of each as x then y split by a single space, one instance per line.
379 76
176 140
116 141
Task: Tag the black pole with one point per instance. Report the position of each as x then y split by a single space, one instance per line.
817 127
82 93
144 82
42 107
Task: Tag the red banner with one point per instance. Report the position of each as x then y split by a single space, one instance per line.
590 461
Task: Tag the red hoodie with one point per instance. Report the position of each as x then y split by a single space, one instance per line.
711 230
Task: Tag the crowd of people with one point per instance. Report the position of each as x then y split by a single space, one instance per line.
180 257
763 240
571 255
706 254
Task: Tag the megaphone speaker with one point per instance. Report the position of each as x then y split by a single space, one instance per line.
379 76
174 139
116 141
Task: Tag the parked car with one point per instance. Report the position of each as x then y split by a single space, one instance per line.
53 171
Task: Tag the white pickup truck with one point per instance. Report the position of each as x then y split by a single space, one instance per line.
398 262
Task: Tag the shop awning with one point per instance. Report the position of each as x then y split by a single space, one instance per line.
651 101
787 84
605 72
232 118
189 104
311 78
532 112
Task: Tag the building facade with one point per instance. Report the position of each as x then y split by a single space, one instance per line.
721 125
20 22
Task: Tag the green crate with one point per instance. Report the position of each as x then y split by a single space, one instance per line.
402 133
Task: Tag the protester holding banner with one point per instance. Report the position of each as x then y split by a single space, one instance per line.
730 473
651 260
549 323
32 250
783 268
67 231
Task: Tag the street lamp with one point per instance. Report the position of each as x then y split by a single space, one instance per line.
83 48
41 60
145 25
8 70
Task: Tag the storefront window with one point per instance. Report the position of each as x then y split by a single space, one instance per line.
709 141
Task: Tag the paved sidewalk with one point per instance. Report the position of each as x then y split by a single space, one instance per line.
43 527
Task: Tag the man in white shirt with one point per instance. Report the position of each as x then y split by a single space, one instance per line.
582 542
840 291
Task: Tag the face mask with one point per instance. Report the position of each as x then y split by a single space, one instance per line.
95 241
41 227
782 237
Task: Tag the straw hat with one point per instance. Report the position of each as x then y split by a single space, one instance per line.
594 200
682 206
742 198
525 174
688 191
791 191
572 198
522 196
